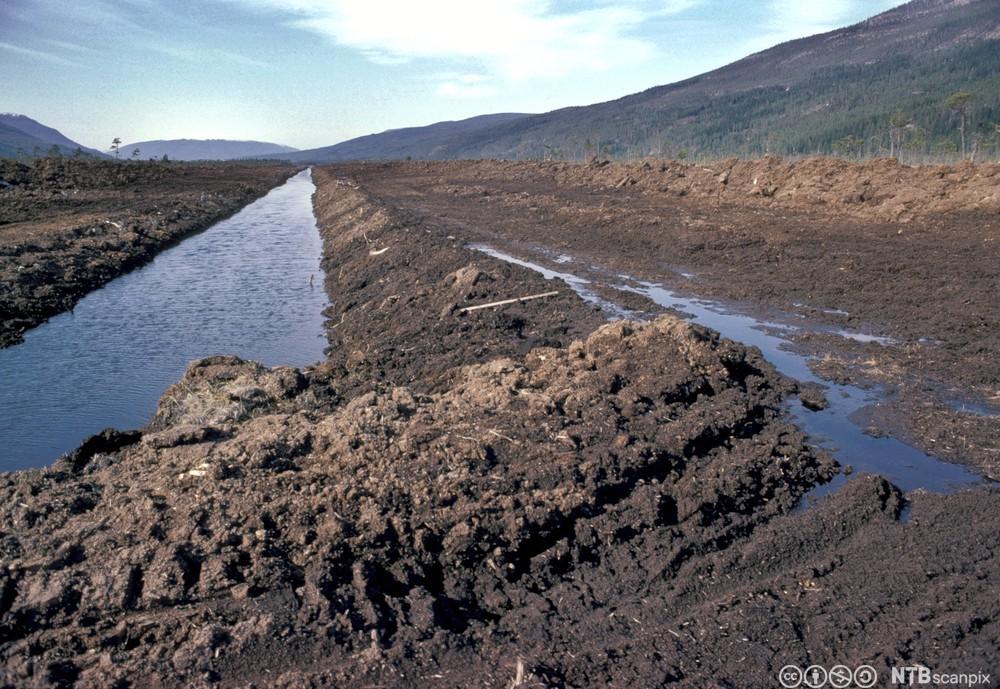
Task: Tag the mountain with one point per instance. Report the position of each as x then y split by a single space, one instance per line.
14 142
836 91
416 142
207 149
22 136
803 96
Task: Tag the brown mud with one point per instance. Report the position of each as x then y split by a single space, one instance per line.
877 190
926 278
511 497
69 226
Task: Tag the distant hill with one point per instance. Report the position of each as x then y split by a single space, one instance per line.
417 142
21 136
207 149
804 96
832 92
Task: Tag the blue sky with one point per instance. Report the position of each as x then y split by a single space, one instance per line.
309 73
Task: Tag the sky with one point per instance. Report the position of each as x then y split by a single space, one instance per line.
309 73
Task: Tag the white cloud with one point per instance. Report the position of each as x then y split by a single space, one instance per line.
458 85
37 54
196 54
795 18
511 40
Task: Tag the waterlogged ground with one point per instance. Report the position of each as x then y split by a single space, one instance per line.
832 426
904 302
505 497
69 226
250 285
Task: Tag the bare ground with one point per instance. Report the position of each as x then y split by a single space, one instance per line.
926 278
508 497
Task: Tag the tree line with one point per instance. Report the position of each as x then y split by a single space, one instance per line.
944 106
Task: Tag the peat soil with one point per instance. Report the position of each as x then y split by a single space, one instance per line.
69 226
909 255
524 496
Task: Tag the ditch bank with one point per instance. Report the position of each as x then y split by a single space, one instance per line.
528 499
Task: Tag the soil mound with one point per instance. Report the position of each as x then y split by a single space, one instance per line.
927 286
398 525
882 189
396 282
510 505
52 174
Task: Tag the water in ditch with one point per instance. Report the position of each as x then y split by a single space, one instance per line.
250 285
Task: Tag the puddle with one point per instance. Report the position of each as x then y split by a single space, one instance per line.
966 407
832 312
831 428
576 283
841 332
861 337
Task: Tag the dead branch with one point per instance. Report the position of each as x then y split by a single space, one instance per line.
508 301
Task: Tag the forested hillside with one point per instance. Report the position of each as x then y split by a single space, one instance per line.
901 83
900 104
871 88
22 137
427 142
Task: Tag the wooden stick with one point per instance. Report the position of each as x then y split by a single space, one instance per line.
501 435
518 680
508 301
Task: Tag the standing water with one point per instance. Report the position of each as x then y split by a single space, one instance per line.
831 428
250 285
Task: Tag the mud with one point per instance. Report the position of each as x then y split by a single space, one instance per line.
878 190
882 190
68 226
520 496
927 284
